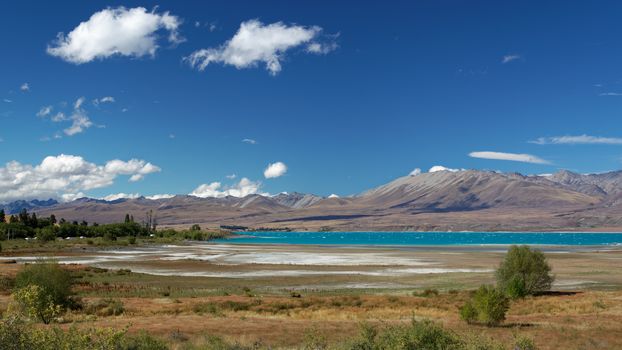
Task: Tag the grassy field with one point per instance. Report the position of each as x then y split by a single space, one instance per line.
185 310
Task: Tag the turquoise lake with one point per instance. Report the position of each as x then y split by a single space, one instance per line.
427 238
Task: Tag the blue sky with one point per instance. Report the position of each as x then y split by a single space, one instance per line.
395 87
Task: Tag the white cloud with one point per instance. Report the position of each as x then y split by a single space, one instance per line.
80 122
438 168
114 197
578 139
59 117
105 99
135 167
78 103
515 157
231 177
243 188
7 100
160 196
333 196
250 141
44 111
275 170
64 176
610 94
258 43
322 48
116 31
25 87
415 172
510 58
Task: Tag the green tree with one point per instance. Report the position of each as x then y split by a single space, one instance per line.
37 303
2 216
53 219
524 271
195 227
487 306
127 218
55 282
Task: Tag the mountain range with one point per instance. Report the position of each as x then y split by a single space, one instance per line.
441 200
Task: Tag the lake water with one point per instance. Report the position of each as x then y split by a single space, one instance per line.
428 238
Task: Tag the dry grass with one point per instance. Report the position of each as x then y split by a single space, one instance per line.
185 309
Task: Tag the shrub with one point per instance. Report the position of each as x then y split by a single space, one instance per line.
524 343
524 271
418 335
54 281
314 340
105 307
37 304
46 234
15 334
144 341
487 306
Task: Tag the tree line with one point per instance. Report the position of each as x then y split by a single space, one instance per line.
28 225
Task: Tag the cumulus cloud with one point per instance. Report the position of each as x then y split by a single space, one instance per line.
231 176
250 141
114 197
437 168
510 58
275 170
116 31
65 177
256 43
25 87
577 139
515 157
160 196
243 188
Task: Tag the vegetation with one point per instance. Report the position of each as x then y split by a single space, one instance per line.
37 304
488 306
15 334
29 226
54 282
524 271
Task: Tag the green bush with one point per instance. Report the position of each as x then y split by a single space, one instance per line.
15 334
487 306
46 234
36 304
105 307
55 282
418 335
524 343
144 341
524 271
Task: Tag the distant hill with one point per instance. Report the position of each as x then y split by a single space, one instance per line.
32 205
441 200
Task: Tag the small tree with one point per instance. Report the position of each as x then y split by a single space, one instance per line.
524 271
487 306
54 281
35 302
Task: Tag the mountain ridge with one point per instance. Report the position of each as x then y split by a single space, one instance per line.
484 199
